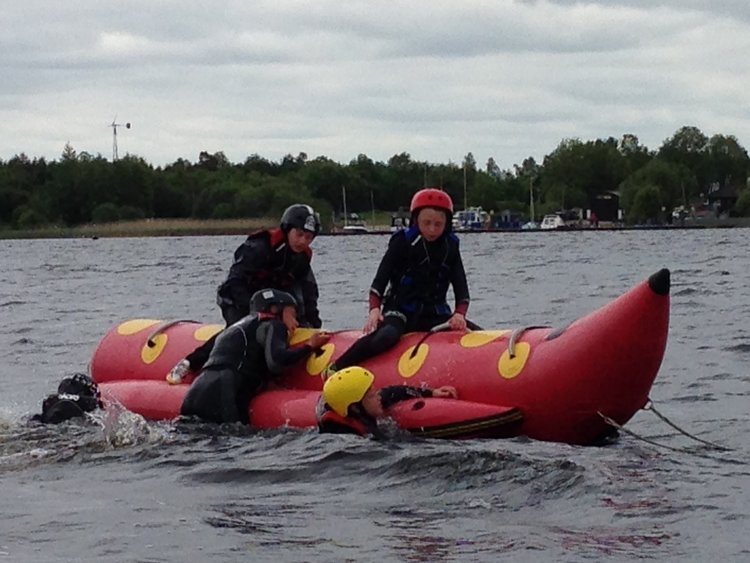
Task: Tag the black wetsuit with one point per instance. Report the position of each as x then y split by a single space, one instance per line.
359 422
417 275
245 357
263 261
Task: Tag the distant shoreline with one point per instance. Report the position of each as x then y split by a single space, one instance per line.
230 227
146 228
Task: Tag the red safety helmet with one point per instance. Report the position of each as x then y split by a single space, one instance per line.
431 197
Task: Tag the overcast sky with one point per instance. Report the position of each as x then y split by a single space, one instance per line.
436 79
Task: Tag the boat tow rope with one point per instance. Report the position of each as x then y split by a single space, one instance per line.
649 406
162 327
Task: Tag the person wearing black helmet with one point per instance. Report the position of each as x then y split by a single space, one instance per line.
76 395
247 355
272 258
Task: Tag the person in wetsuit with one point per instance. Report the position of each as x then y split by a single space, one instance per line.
247 356
274 258
350 405
410 288
76 395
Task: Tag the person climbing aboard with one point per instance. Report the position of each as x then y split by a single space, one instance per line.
277 258
246 357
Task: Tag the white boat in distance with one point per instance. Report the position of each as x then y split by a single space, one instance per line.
354 229
552 221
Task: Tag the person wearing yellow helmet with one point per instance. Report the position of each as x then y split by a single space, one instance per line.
350 404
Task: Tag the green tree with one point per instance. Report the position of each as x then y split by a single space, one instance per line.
689 147
728 161
646 206
742 207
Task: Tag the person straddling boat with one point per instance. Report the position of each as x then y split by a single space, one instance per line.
76 395
349 404
419 265
277 258
246 356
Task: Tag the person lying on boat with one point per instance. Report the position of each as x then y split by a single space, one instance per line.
246 357
350 405
419 265
76 395
277 258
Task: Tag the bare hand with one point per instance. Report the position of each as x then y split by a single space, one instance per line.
457 322
319 338
445 391
373 320
289 318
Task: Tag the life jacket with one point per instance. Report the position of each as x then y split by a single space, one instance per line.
421 286
285 267
331 422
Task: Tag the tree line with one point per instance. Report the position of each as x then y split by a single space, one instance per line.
81 188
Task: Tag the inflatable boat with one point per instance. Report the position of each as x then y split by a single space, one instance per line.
548 383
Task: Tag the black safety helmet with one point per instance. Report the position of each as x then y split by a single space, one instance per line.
300 216
79 384
263 300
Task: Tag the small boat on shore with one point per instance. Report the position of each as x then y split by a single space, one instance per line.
552 384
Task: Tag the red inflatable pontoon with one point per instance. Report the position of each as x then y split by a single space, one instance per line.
548 384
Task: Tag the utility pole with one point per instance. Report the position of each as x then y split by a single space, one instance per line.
343 198
531 197
466 200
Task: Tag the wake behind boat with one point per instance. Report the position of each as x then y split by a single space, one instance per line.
553 384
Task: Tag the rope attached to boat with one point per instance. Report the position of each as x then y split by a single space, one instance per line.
649 406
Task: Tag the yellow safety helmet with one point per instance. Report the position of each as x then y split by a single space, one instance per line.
346 387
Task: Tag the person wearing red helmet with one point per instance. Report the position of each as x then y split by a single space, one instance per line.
409 292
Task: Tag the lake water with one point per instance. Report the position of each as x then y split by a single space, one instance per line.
119 489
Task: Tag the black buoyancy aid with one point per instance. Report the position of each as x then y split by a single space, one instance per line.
421 284
284 268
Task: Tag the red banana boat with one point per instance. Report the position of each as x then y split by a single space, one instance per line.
544 383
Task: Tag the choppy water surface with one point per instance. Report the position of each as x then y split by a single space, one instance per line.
120 489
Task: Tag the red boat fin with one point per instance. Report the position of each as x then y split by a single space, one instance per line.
454 418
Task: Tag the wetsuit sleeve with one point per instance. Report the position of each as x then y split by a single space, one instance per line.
278 354
393 394
388 265
309 287
460 285
251 257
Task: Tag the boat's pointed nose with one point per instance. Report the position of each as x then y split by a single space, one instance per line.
659 282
